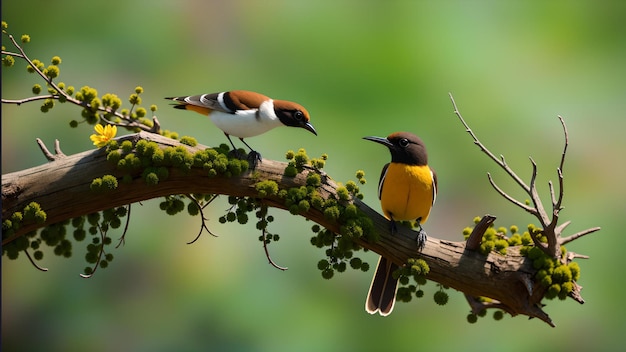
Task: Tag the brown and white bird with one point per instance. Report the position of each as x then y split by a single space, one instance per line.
244 114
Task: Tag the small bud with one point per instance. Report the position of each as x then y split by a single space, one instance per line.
8 61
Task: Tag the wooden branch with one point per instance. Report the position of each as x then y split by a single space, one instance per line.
66 194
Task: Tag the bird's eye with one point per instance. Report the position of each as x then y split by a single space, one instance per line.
298 115
404 142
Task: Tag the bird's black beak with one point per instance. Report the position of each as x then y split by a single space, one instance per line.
381 140
307 126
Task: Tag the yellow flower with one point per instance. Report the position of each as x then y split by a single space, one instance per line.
103 135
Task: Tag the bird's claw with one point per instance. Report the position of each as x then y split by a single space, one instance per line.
236 153
393 228
421 239
421 234
254 158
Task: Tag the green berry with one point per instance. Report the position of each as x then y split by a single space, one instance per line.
8 61
328 273
441 297
38 255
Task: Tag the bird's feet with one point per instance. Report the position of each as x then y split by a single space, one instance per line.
421 234
393 228
421 238
237 153
254 158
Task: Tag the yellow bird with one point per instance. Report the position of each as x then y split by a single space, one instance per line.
407 191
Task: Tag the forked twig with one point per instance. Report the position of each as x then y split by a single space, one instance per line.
203 219
549 222
58 154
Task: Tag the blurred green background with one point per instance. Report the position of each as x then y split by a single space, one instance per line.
361 68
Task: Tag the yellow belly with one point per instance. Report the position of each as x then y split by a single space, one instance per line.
407 192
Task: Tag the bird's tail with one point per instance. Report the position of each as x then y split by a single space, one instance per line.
382 294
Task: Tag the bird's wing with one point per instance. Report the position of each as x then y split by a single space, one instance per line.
432 171
228 102
381 181
243 100
207 101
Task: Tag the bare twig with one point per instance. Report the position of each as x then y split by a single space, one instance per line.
10 53
203 219
31 99
156 125
572 255
577 235
263 208
101 252
267 252
33 262
57 149
532 211
122 240
474 239
501 162
548 223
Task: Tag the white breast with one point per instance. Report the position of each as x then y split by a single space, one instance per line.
247 123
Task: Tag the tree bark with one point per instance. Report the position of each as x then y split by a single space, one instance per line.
62 188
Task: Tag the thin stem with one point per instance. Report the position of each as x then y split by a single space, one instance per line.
502 163
122 239
203 219
32 261
31 99
267 253
532 211
577 235
95 267
557 204
4 52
